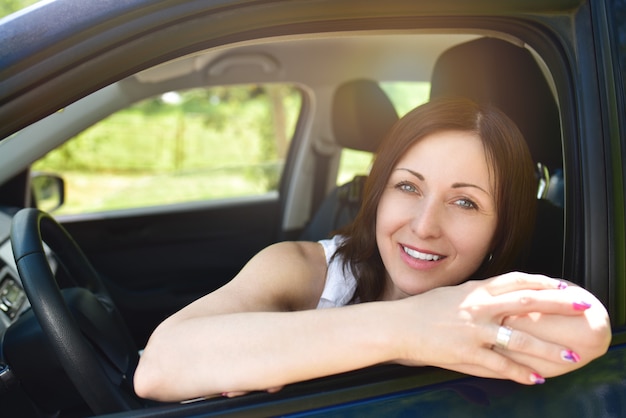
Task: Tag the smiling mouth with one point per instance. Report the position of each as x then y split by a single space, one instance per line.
422 256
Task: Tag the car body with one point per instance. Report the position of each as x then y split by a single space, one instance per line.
66 65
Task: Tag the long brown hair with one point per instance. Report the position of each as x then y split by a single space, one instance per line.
514 179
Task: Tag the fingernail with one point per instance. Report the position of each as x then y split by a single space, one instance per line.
225 394
569 355
562 285
581 306
537 379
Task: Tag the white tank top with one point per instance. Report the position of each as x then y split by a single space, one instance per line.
340 284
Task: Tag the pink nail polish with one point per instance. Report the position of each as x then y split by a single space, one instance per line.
537 379
569 355
562 285
581 306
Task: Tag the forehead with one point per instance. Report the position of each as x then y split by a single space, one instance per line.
448 147
450 157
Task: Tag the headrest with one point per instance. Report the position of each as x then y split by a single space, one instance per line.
496 72
362 115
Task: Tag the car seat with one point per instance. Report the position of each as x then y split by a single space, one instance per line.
362 114
499 73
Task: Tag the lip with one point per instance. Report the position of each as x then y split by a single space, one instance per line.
416 263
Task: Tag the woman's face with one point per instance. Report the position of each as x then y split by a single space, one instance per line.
437 215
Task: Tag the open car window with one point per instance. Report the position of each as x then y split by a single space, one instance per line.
182 146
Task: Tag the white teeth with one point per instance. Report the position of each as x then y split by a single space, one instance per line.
421 256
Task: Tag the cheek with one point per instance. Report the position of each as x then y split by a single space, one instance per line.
386 223
473 239
390 215
381 225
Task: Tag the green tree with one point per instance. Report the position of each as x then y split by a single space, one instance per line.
9 6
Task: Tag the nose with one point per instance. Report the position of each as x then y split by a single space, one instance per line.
426 222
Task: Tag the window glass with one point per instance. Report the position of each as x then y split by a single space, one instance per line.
192 145
11 6
405 96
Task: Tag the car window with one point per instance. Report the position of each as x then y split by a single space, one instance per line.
11 6
405 96
182 146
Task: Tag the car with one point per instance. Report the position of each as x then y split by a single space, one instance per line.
149 148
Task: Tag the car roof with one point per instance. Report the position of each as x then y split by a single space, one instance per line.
65 49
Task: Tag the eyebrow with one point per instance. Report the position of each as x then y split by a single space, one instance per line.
454 185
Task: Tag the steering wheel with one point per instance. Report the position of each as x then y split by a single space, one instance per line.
82 324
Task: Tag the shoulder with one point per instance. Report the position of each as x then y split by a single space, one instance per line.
287 276
331 245
288 258
293 252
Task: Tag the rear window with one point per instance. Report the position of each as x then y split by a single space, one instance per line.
405 96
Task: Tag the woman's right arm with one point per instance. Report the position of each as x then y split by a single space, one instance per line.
261 331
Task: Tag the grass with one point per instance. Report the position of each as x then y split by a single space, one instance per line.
92 192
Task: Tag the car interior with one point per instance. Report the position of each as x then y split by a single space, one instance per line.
155 259
487 70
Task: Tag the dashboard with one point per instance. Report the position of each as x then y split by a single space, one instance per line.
13 300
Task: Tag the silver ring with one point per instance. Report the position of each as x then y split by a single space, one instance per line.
503 337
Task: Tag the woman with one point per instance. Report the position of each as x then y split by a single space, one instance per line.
450 197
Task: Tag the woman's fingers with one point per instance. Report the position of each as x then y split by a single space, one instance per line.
508 353
506 368
508 339
275 389
573 301
233 394
515 281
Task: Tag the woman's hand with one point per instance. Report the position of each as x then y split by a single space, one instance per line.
554 328
588 335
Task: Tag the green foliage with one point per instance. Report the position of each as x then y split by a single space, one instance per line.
9 6
406 96
199 132
182 146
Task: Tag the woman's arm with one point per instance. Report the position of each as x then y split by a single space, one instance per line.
248 336
251 351
260 331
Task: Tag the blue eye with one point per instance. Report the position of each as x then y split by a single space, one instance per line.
466 204
406 187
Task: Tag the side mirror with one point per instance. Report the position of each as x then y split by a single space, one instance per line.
48 191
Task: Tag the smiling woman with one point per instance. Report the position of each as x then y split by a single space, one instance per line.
555 67
437 211
445 214
502 163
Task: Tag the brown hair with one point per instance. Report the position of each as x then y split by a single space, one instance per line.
511 166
